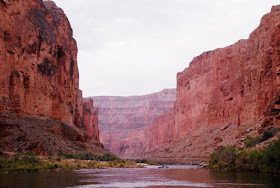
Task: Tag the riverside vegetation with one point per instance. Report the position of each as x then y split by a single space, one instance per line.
31 162
264 159
144 161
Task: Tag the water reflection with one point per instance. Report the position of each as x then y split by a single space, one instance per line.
266 179
39 179
175 176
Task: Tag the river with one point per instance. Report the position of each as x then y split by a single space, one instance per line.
175 176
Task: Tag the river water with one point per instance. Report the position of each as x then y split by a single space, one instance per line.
175 176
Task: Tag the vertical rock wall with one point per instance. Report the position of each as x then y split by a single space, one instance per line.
90 118
38 60
232 85
38 65
140 141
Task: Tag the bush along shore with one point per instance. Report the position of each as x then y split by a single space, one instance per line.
144 161
28 162
265 159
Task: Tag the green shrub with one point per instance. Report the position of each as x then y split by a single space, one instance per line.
223 158
252 141
141 161
92 164
109 157
24 162
90 156
29 159
146 162
267 133
272 156
265 159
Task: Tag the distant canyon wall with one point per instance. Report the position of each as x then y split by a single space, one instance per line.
159 133
130 126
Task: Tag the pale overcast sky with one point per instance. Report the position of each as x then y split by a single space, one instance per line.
135 47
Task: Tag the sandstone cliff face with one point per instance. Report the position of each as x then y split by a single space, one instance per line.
90 118
232 85
38 70
126 123
235 88
139 141
86 116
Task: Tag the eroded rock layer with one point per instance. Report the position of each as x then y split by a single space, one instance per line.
39 73
234 88
129 125
38 70
90 118
139 141
234 84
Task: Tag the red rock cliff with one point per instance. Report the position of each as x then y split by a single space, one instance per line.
38 68
86 116
38 72
227 94
139 141
126 123
232 85
90 118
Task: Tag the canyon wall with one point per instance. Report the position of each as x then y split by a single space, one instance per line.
90 118
130 125
228 93
231 85
139 141
86 116
38 71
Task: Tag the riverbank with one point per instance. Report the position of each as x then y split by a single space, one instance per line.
28 162
252 157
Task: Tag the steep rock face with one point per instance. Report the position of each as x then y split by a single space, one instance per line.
161 131
123 120
90 118
78 118
38 68
231 85
39 78
142 140
235 88
86 116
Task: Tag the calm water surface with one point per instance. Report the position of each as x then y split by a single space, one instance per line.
175 176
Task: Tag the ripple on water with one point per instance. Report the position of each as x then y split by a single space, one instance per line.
147 184
176 176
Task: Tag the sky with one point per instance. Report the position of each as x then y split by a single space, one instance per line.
136 47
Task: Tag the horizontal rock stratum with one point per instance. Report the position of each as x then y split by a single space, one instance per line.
130 126
39 81
227 93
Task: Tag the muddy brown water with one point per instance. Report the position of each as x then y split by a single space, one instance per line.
175 176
